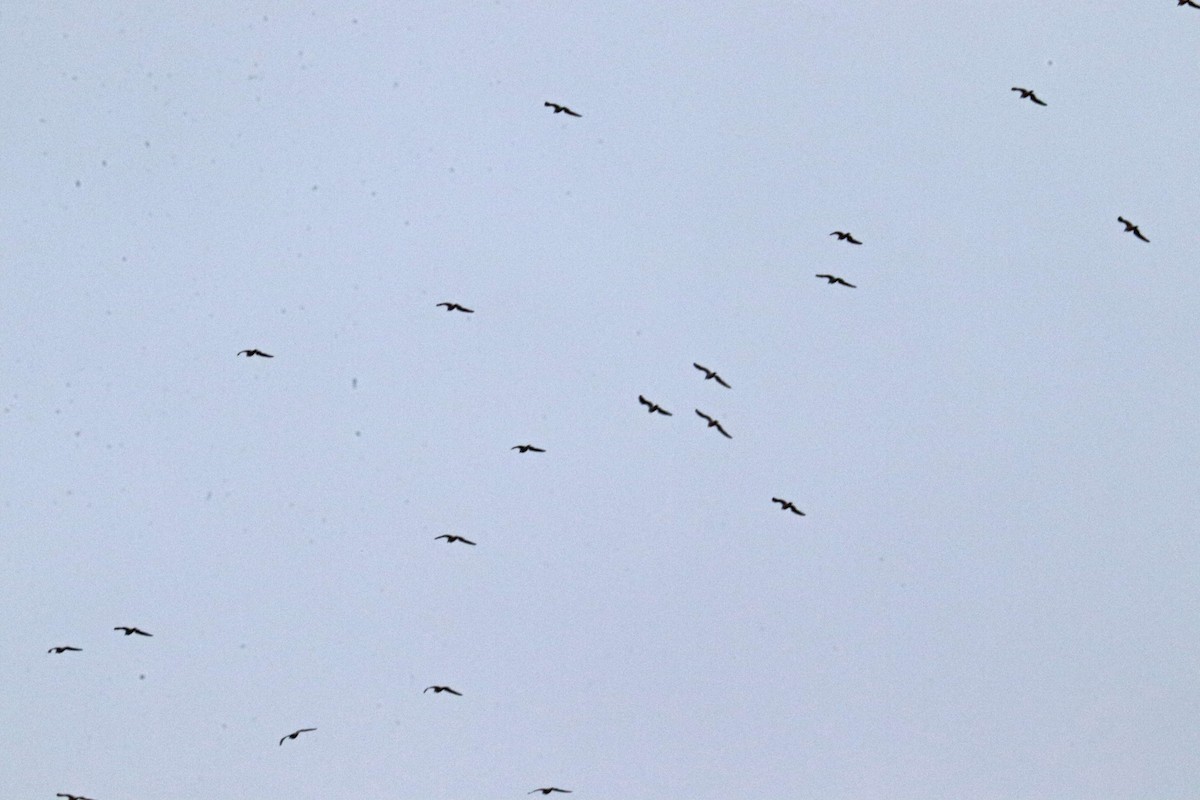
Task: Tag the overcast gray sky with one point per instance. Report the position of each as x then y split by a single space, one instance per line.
994 436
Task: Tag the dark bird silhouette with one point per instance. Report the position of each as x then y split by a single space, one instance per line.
451 538
711 375
252 353
787 505
561 109
72 796
834 279
64 649
129 631
1028 93
457 307
712 423
440 689
1130 227
1188 3
295 734
527 448
550 789
652 407
845 237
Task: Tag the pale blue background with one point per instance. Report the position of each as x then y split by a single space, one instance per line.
994 593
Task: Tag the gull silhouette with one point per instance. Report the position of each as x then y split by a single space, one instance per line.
457 307
451 538
1028 93
64 649
440 689
252 353
129 631
294 734
527 448
787 505
550 789
712 423
711 375
834 279
72 796
652 407
561 109
1131 228
845 237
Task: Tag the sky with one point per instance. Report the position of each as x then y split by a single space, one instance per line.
993 436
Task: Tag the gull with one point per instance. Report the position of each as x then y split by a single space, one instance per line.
712 423
457 307
1130 227
440 689
64 649
845 236
451 538
710 375
1028 93
834 279
255 352
72 796
129 631
787 505
526 448
561 109
652 407
295 734
550 789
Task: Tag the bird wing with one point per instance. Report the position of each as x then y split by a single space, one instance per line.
826 277
141 632
443 536
702 414
1018 89
852 240
721 381
536 449
723 431
281 741
466 310
572 113
305 730
451 691
1034 98
797 511
644 401
664 412
702 369
427 688
465 541
778 500
1138 234
247 352
265 355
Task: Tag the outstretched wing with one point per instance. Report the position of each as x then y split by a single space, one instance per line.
701 414
852 240
826 277
644 401
723 431
721 381
1035 99
1138 234
570 112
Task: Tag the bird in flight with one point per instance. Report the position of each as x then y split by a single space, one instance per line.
561 109
787 505
440 689
834 279
1130 227
712 423
72 796
129 631
256 352
845 236
527 448
457 307
550 789
710 375
652 407
1188 3
64 649
1028 93
295 734
451 538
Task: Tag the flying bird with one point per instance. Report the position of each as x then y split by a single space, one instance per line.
72 796
64 649
1028 93
1188 3
550 789
457 307
526 448
1130 227
561 109
451 538
834 279
787 505
712 423
255 352
129 631
440 689
652 407
710 375
845 236
295 734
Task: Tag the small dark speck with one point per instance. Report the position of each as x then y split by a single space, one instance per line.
358 433
147 143
354 383
314 187
142 677
79 183
103 163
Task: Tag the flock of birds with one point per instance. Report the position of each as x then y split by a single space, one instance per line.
651 407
